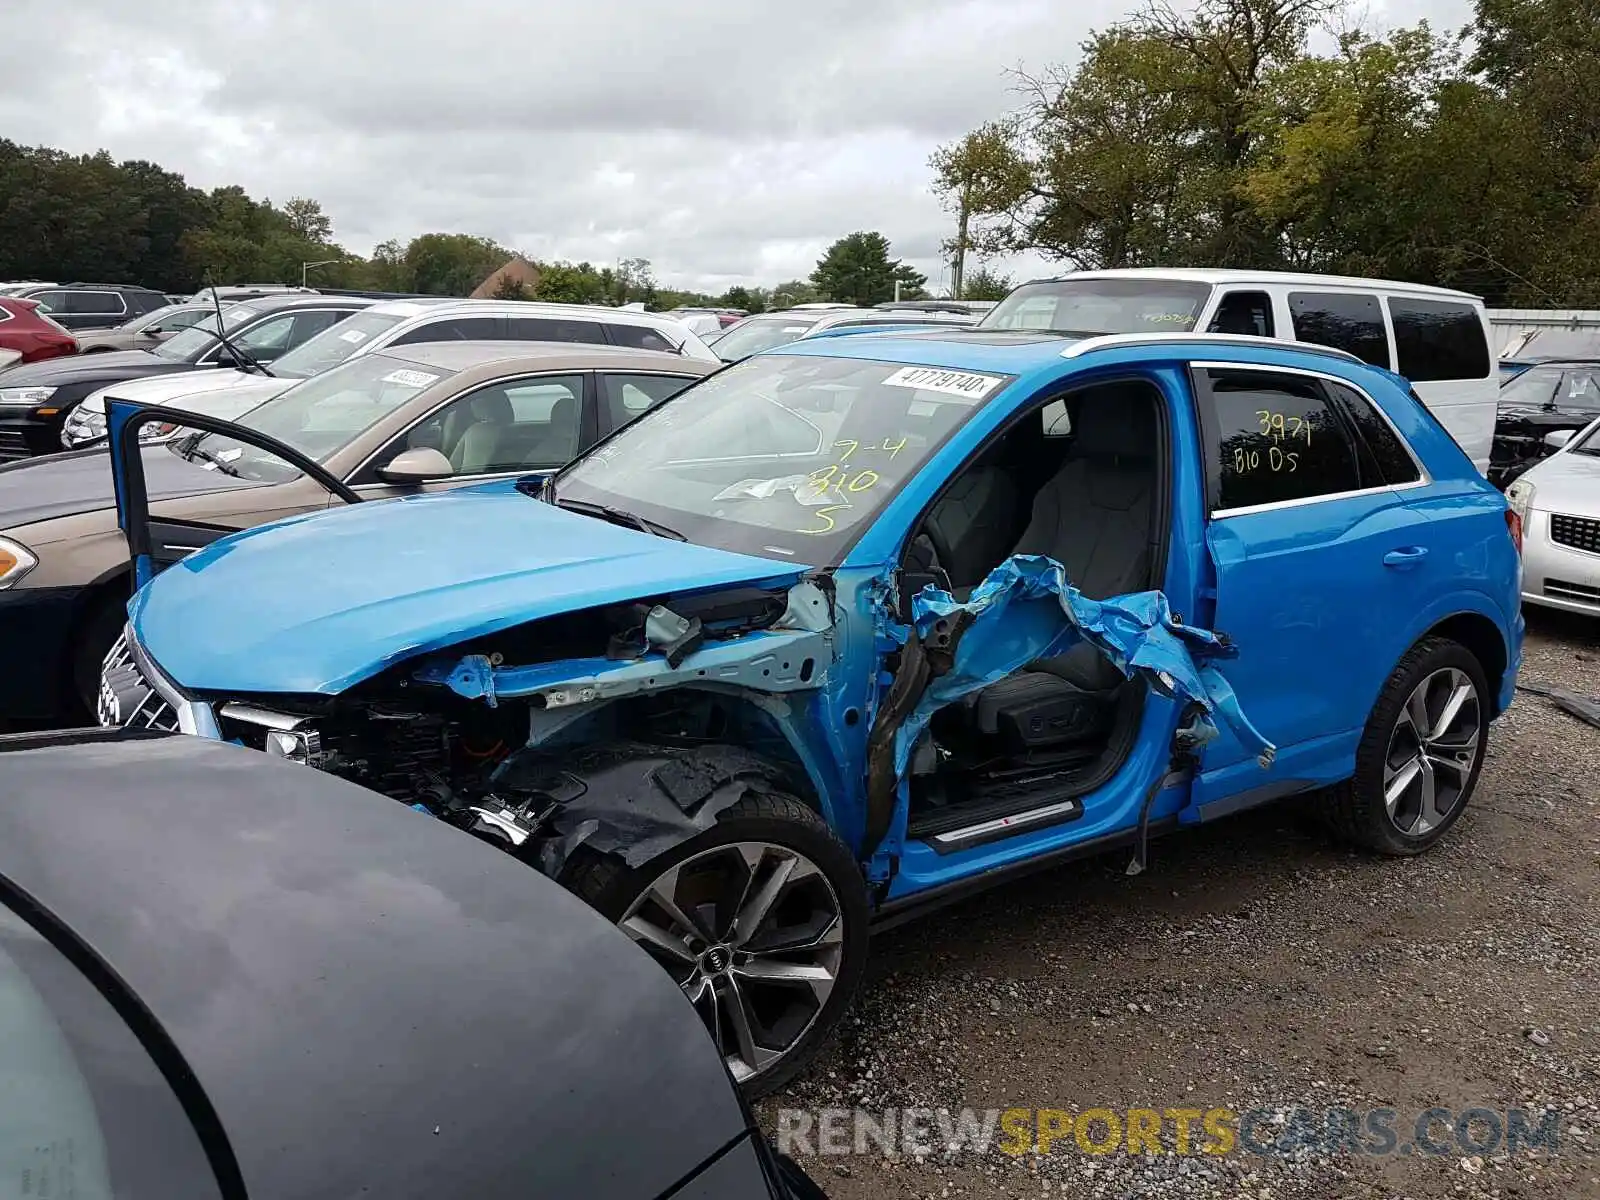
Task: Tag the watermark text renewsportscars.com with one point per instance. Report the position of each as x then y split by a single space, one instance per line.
923 1132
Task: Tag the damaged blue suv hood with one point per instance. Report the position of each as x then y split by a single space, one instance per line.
318 603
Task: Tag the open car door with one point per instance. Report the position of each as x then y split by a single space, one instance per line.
155 543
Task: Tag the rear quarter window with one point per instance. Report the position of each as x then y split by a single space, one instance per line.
1273 439
1437 339
1351 321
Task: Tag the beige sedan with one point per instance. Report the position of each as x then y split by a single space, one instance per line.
391 423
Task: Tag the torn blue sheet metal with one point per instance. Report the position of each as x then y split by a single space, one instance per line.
1015 617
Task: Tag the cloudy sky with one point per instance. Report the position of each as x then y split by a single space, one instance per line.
728 141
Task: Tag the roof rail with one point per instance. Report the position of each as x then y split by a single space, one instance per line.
1106 341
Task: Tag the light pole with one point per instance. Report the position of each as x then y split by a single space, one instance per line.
306 266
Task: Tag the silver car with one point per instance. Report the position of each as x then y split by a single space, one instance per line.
1558 501
143 333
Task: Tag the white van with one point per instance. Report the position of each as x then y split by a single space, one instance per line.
1438 339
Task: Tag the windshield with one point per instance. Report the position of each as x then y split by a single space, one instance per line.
1569 389
1556 343
155 318
200 337
332 346
782 455
319 417
1089 307
1587 441
755 334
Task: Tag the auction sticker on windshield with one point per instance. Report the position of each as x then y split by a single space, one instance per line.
416 379
353 336
966 384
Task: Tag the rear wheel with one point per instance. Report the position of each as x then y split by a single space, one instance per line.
761 920
1419 758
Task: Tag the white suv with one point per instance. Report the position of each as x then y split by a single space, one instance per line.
228 393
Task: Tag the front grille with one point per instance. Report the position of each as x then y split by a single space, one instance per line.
1560 589
13 445
1581 533
127 698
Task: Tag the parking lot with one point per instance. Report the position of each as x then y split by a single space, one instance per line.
1256 964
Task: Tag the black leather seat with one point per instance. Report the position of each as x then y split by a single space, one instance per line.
1093 518
971 526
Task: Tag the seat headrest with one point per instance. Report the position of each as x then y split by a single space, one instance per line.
564 411
493 407
1115 424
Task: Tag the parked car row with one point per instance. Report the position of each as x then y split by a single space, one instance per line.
274 339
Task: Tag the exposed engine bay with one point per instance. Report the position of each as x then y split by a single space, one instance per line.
461 738
629 728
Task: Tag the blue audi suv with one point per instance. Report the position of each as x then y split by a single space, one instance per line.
853 628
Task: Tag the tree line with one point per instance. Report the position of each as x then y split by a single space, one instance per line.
67 217
1212 135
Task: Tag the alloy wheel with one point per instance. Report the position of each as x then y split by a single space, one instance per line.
752 933
1432 751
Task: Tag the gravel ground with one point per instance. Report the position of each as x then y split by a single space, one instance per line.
1257 965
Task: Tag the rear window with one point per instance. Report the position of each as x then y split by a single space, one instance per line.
555 329
1350 321
639 337
1089 307
98 303
1437 339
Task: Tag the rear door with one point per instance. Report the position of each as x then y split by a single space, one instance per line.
1318 559
625 396
91 309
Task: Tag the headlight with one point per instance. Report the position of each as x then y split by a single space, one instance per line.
1520 498
26 395
16 560
84 427
88 424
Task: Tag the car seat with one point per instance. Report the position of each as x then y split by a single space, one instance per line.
1094 518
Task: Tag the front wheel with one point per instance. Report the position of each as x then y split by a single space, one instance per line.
1420 755
761 920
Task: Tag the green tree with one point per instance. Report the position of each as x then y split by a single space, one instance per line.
984 284
792 292
453 264
857 269
511 289
568 283
982 174
307 221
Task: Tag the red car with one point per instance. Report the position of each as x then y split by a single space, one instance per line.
26 331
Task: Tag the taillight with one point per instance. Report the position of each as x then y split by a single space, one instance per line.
53 348
1514 528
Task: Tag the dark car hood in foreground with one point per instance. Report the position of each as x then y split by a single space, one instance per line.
375 1003
110 367
316 604
61 485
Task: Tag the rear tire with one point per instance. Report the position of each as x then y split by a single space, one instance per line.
761 920
1420 755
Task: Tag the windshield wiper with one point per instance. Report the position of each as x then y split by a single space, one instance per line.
193 452
621 516
243 359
